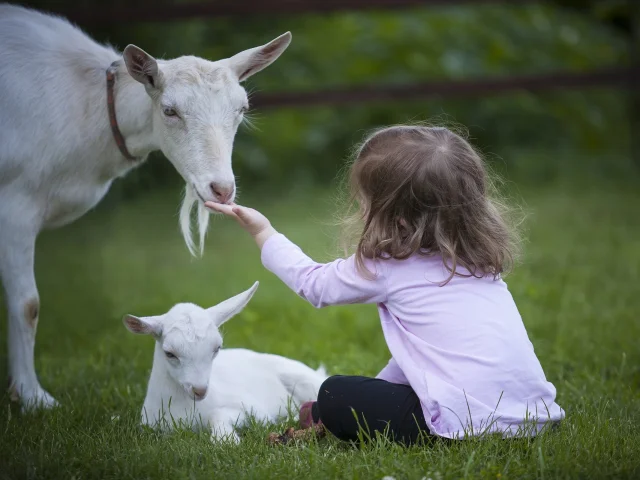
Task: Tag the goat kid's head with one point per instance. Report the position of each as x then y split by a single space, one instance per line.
189 339
197 108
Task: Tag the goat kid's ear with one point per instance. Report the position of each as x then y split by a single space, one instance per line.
251 61
143 325
226 310
142 66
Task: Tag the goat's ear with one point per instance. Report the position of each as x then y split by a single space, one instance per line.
142 66
143 325
232 306
251 61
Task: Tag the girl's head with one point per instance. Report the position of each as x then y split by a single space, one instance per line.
425 190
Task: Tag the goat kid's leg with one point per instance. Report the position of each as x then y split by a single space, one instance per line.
17 249
223 428
224 432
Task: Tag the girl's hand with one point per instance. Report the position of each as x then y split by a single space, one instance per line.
251 220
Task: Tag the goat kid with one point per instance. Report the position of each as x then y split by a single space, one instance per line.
59 156
196 384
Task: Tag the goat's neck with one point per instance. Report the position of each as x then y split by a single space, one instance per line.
134 114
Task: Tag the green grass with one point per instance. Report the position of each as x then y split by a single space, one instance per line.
577 290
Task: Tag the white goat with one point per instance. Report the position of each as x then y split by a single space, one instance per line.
195 383
75 115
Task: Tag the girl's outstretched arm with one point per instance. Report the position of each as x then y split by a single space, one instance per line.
334 283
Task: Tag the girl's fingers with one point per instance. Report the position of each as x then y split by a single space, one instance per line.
242 215
240 212
218 207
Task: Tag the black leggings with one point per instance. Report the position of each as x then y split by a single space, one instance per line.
388 408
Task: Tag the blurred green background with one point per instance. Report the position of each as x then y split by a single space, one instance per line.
570 158
297 146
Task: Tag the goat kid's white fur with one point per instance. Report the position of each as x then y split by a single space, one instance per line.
58 157
196 384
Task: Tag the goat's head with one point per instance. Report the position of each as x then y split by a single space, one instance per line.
189 339
197 108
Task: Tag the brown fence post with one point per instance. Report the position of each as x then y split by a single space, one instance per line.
634 81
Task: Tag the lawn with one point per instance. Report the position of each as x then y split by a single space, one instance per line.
577 289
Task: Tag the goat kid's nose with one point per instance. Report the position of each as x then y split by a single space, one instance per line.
199 392
223 191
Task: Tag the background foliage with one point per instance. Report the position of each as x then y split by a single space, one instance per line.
567 156
308 145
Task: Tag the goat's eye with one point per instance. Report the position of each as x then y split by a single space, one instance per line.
169 112
215 352
170 355
243 110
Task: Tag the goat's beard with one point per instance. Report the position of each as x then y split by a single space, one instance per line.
191 199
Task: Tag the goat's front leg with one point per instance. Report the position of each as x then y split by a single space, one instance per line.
223 428
17 249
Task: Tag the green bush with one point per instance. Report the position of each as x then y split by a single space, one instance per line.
309 144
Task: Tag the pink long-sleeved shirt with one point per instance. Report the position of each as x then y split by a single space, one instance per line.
462 347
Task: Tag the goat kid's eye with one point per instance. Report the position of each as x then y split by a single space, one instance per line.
243 110
170 355
169 112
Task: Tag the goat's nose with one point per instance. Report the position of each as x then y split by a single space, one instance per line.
224 191
199 392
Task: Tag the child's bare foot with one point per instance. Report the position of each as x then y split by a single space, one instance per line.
305 415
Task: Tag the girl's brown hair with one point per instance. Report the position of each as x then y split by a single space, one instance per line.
425 190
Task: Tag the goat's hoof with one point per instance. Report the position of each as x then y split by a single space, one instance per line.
33 400
230 438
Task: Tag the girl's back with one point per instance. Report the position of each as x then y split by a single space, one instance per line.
465 339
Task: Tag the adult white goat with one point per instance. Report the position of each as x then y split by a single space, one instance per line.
195 383
62 144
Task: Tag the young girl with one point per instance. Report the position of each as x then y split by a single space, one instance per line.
431 253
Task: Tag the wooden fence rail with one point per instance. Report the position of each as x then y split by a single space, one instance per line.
615 76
